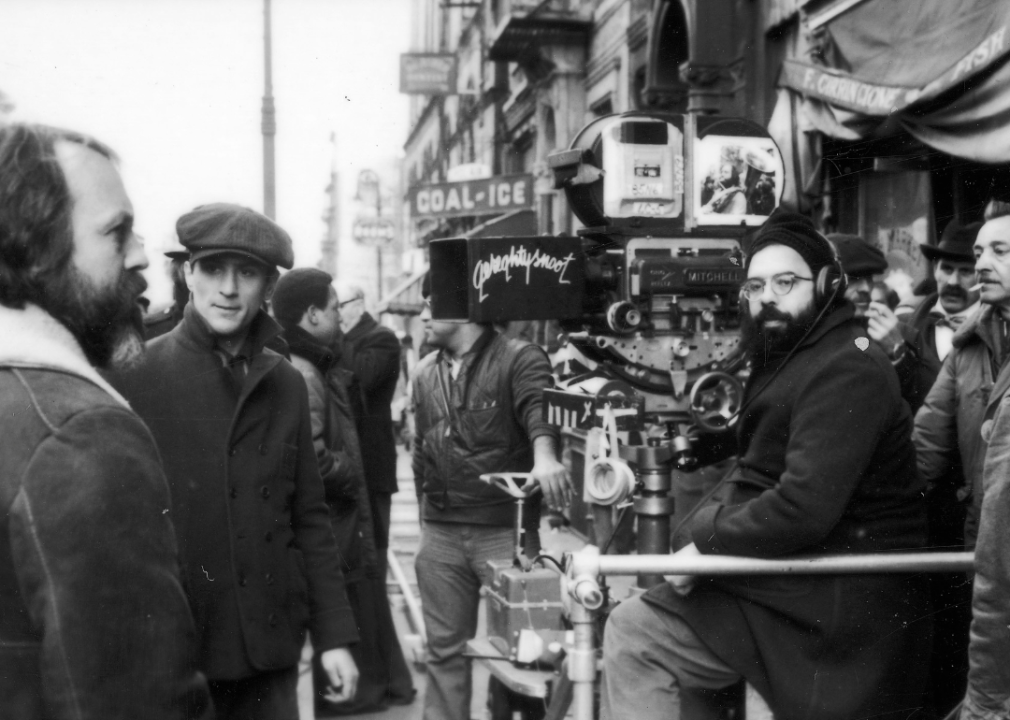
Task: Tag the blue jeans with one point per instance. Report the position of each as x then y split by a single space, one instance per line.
649 654
451 565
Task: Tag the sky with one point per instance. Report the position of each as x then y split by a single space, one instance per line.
175 88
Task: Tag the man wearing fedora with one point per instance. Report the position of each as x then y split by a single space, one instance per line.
949 395
231 420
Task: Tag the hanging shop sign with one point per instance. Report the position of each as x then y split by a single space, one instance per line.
428 73
488 196
372 231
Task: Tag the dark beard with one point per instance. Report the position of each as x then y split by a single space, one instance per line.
763 344
107 322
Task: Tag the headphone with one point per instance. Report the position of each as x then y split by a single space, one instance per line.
828 285
830 281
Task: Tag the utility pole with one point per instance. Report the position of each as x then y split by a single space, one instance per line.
331 241
269 120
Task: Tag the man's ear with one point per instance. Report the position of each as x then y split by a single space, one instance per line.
187 273
268 291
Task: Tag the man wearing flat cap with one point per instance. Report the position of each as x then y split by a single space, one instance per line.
862 264
231 420
808 480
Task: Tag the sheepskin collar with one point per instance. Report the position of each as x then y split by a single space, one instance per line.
32 338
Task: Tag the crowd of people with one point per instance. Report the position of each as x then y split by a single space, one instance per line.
180 513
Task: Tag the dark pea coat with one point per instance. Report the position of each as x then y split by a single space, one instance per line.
258 555
826 466
338 452
372 353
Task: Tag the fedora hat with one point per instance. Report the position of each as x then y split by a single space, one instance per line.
955 244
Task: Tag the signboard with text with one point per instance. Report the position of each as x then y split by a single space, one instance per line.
488 196
428 73
499 279
373 231
874 98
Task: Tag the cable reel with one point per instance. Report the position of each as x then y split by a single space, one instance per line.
609 480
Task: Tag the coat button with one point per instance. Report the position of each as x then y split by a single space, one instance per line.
265 492
241 580
268 536
233 492
272 619
231 453
269 578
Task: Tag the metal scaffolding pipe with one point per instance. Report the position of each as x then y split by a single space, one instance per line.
819 565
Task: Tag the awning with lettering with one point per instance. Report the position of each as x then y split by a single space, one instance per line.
936 68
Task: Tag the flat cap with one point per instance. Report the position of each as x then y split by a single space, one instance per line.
225 228
859 258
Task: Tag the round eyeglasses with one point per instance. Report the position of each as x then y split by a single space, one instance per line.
781 284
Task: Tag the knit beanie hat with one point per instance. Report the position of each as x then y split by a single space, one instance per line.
797 232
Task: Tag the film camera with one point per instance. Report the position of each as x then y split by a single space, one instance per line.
647 298
647 294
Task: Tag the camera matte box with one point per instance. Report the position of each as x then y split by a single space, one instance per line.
499 279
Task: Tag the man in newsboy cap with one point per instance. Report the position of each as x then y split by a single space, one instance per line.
232 422
862 264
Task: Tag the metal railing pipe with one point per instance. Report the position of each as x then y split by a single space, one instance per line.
814 565
586 565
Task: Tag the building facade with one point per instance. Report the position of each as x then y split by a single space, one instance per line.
893 116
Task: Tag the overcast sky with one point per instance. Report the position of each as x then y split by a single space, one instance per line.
175 87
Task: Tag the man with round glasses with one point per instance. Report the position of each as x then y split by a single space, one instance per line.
825 466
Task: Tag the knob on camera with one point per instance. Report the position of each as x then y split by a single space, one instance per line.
714 401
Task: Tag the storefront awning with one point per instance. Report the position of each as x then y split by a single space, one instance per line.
517 223
936 68
406 297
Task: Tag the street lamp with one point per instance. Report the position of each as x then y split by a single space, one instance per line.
372 230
